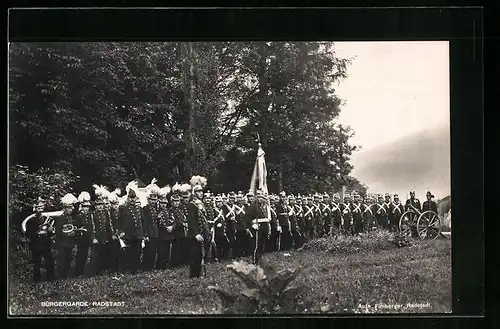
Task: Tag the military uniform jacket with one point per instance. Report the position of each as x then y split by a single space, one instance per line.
429 205
356 211
292 216
209 208
37 242
230 216
345 210
257 211
219 222
274 217
179 217
197 220
241 219
388 208
318 214
415 203
282 212
299 211
62 239
368 210
326 211
131 221
114 220
83 220
150 220
379 209
101 226
397 210
336 212
308 211
165 220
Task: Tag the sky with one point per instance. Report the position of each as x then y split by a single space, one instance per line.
397 99
394 89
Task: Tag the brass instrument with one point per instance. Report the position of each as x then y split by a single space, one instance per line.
70 228
47 226
49 220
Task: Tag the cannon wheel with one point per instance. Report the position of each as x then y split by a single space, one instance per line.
428 225
407 220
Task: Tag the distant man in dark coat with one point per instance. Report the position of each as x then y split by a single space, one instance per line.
131 231
178 254
100 234
150 225
397 209
165 231
65 237
40 241
258 216
284 229
221 238
357 214
198 232
83 239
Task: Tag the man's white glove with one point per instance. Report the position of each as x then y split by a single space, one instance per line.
345 211
219 225
146 239
185 224
199 238
255 226
94 241
279 229
169 229
114 237
121 235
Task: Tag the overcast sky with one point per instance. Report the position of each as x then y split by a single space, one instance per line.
394 89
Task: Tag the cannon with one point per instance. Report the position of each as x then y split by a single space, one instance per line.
423 225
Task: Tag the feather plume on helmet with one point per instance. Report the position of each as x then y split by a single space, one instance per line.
176 189
101 193
69 200
164 191
84 197
113 197
198 183
153 190
184 189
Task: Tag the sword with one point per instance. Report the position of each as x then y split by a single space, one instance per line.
203 265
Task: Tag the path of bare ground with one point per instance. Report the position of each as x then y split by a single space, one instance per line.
359 282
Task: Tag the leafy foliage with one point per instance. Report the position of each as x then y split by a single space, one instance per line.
266 289
111 111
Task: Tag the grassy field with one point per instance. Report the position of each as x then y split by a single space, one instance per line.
367 277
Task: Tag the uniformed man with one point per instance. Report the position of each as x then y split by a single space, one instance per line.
150 225
388 209
294 213
198 231
367 207
301 206
131 230
271 244
357 214
284 226
318 216
249 198
258 216
178 230
220 235
83 238
114 249
336 214
381 212
165 230
40 240
397 210
208 201
186 241
347 220
243 238
65 236
430 219
327 215
230 220
309 217
413 203
101 231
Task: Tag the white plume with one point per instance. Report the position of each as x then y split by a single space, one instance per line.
69 199
84 196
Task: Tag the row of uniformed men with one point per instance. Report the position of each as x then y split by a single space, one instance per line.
118 228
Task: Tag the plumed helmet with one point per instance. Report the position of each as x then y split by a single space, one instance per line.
84 197
101 193
164 191
176 189
113 197
153 190
198 183
185 189
69 200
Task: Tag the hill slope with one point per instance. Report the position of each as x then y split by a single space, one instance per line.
420 161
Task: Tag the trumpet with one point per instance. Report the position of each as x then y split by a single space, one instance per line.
46 226
70 228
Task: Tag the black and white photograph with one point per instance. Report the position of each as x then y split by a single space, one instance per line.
229 177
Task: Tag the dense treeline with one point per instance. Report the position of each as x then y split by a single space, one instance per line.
111 112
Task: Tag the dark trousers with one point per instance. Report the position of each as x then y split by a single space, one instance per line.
222 245
259 241
232 244
327 225
177 252
394 220
195 256
348 227
241 244
285 239
98 259
37 254
298 240
272 242
114 252
358 225
149 254
383 221
64 257
132 255
164 249
82 254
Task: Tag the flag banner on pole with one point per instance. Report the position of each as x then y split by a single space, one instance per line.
259 176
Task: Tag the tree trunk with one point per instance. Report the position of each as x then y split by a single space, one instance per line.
280 176
191 129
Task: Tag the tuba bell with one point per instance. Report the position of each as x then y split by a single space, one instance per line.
47 226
